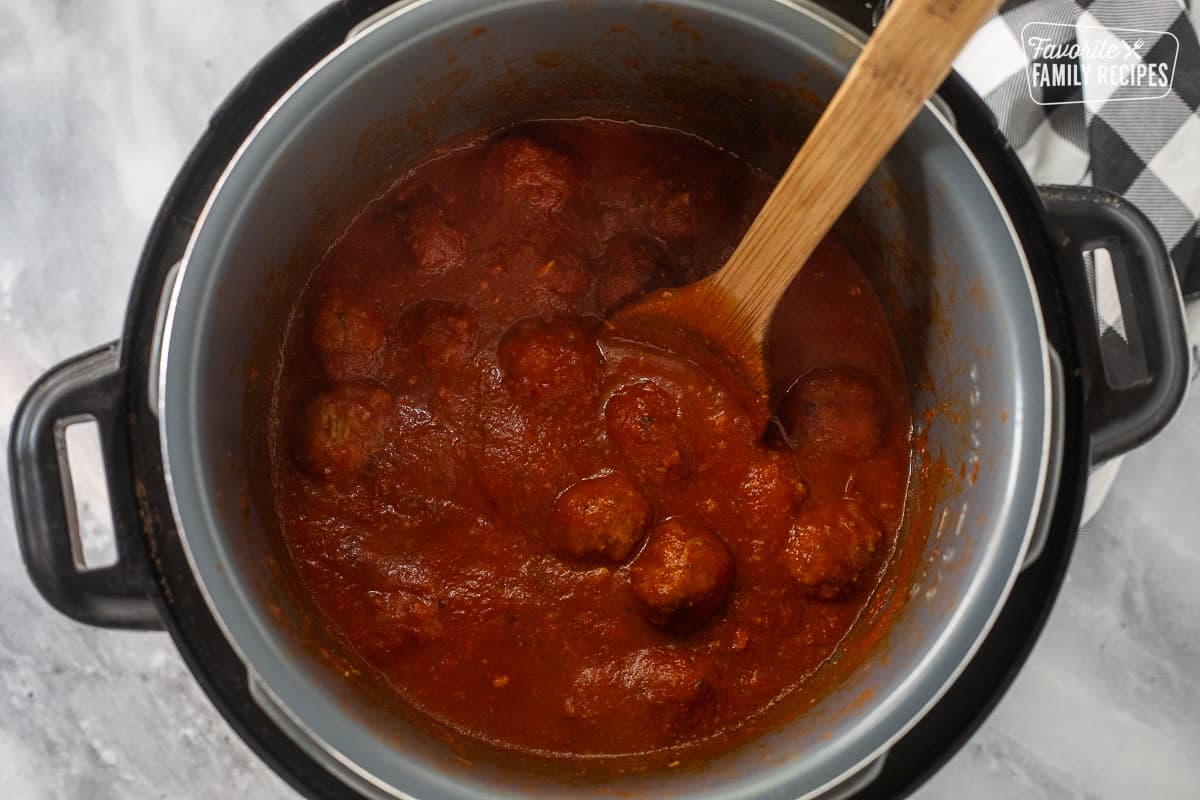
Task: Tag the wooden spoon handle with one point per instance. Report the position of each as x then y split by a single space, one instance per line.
904 62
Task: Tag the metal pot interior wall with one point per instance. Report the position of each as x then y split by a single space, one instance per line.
747 75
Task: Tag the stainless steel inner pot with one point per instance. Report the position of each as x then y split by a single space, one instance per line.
934 237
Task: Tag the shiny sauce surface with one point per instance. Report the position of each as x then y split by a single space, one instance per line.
542 533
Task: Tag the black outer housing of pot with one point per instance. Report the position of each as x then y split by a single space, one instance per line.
152 585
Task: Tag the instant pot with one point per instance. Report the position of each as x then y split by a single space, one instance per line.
981 272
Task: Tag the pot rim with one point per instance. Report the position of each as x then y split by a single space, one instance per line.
230 601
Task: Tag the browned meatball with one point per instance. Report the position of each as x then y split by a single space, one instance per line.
566 275
682 575
384 624
408 617
556 357
348 332
834 411
771 493
681 209
829 547
436 245
642 420
657 688
630 266
441 334
343 428
601 518
521 171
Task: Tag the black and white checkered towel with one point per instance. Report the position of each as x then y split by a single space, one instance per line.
1063 79
1140 141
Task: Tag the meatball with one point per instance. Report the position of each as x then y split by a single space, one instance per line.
601 518
389 623
343 427
441 334
408 617
556 357
830 546
436 245
348 333
682 575
659 686
630 267
771 492
682 210
565 275
642 420
528 174
835 412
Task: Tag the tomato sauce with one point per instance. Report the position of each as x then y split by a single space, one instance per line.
547 535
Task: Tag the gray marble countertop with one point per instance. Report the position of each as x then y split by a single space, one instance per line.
99 103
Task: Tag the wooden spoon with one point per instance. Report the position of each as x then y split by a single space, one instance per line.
904 62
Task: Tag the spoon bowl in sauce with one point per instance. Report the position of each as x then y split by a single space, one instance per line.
731 309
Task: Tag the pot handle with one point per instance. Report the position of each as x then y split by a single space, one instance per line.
87 387
1136 380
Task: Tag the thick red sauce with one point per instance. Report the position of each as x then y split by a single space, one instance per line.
540 533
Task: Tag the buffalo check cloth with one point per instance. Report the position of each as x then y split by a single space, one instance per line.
1144 147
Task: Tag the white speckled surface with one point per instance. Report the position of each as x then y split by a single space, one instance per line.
100 101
